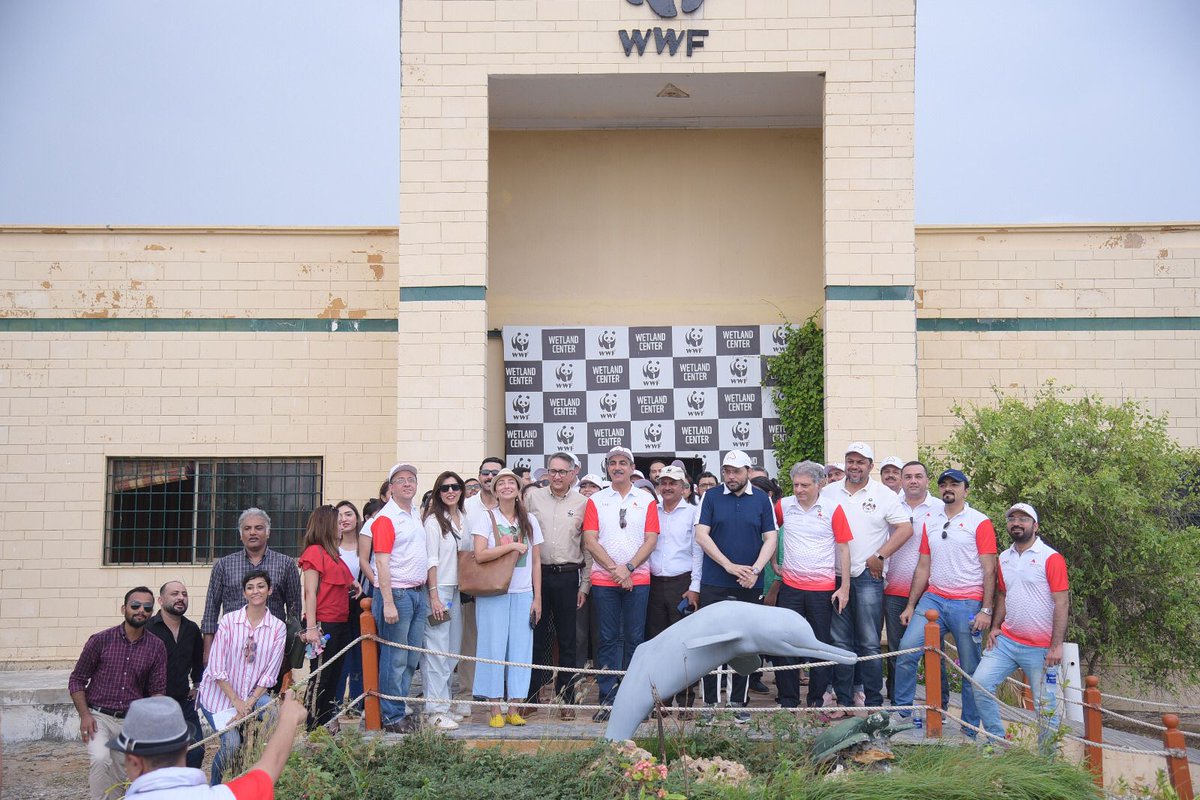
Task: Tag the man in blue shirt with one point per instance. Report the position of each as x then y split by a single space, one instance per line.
737 533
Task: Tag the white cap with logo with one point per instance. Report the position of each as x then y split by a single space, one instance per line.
620 451
1025 507
402 468
736 458
673 473
595 480
891 461
862 448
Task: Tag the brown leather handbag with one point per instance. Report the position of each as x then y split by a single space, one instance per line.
487 578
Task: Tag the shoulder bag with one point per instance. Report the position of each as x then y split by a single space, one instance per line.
487 578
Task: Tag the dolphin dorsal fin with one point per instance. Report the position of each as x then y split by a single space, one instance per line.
705 641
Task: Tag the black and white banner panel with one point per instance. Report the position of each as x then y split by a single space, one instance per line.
683 392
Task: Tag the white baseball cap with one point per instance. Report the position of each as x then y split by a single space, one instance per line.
736 458
838 465
862 448
402 468
620 451
674 473
1028 509
891 461
595 480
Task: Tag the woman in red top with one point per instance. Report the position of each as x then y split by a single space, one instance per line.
328 586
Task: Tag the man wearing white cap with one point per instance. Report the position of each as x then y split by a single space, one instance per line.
834 472
676 561
737 533
1030 623
889 473
400 603
590 484
879 526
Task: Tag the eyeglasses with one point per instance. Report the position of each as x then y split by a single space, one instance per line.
621 518
945 533
445 488
137 605
403 481
250 649
558 473
489 472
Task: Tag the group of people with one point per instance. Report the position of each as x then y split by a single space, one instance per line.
602 564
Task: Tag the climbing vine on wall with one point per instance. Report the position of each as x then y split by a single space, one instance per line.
799 393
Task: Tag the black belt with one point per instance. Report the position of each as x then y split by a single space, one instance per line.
557 568
109 711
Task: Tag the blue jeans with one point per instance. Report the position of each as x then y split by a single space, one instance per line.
954 617
996 665
351 677
396 666
231 741
504 635
857 629
622 620
893 607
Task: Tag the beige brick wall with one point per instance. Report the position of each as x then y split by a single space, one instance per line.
69 400
1089 275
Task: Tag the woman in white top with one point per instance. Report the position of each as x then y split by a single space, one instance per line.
506 621
348 523
444 521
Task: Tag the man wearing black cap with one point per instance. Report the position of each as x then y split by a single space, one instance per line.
956 576
155 738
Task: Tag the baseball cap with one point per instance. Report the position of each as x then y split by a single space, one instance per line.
402 468
153 725
862 448
835 465
1028 509
736 458
892 461
620 451
674 473
592 479
954 475
539 473
642 483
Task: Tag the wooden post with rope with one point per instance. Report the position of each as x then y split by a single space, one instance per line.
1177 765
933 676
372 716
1093 729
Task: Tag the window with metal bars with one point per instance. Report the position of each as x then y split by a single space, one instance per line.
185 511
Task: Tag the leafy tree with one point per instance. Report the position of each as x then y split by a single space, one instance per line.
798 373
1117 496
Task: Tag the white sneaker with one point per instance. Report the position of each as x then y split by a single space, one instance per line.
443 722
463 710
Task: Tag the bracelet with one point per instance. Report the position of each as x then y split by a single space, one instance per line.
316 627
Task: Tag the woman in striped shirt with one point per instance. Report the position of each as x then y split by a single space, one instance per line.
243 663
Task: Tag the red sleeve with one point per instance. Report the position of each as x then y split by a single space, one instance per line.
924 549
652 525
310 558
1056 573
778 512
591 517
254 785
841 526
1000 578
383 534
985 538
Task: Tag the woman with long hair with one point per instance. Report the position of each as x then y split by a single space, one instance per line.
506 621
351 678
444 521
328 588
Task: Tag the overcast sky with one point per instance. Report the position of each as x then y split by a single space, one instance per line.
286 112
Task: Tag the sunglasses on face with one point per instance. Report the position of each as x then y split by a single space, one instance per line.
137 605
446 488
492 472
621 518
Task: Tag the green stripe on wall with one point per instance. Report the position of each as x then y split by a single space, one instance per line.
868 293
195 325
1029 324
425 294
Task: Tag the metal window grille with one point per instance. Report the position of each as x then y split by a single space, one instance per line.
177 511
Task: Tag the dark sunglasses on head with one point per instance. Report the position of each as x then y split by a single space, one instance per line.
138 604
450 487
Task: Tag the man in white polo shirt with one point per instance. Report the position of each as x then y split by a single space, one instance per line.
889 473
1030 622
879 526
956 576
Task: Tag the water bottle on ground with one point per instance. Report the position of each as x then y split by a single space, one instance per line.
918 718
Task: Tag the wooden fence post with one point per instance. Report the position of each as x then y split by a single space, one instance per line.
1093 729
933 676
372 715
1177 766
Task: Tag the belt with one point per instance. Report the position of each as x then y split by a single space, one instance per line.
112 712
557 568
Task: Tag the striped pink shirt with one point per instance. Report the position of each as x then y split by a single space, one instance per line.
230 658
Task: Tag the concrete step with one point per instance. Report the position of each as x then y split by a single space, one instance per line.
35 705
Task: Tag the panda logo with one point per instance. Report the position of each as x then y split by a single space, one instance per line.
653 433
522 463
694 337
565 372
666 8
608 340
608 402
566 436
520 404
520 341
695 400
741 431
779 337
651 370
740 367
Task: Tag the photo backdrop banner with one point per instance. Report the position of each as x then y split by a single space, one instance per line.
684 392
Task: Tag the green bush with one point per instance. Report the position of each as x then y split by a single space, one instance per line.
799 393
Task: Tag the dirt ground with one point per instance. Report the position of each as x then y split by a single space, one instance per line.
45 771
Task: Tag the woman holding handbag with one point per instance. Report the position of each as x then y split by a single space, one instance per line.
444 521
506 621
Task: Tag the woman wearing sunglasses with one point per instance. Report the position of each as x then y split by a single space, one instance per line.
443 521
244 662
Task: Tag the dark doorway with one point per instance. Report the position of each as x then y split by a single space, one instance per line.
692 466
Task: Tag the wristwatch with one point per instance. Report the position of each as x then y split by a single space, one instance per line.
987 611
879 556
756 570
629 566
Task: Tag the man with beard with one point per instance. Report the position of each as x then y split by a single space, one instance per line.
117 666
956 576
1030 622
185 657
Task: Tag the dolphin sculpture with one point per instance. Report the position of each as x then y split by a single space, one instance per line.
729 632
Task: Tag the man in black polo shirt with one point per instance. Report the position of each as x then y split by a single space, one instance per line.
185 657
737 533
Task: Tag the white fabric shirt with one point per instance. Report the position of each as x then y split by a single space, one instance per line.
443 549
676 551
1029 581
522 579
244 656
401 535
810 539
871 511
350 559
955 571
603 514
903 563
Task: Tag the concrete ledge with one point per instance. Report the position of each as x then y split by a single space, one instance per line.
35 705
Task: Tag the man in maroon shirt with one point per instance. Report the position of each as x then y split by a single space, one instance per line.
117 666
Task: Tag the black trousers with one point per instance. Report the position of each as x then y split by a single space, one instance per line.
817 609
195 758
716 594
340 635
662 611
560 593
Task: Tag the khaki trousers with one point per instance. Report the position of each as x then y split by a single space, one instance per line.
107 768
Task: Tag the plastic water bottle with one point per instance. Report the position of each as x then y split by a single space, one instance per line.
1052 676
976 636
311 651
918 719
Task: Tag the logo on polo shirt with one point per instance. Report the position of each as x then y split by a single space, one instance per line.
666 8
607 341
869 506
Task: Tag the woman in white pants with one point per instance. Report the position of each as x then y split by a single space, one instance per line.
444 520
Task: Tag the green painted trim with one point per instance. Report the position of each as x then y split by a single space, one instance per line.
1029 324
193 325
869 293
440 294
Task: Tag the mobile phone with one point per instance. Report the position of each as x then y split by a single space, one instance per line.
685 607
532 619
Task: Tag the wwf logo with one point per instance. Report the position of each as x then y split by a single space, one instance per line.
520 342
653 433
565 372
608 402
779 337
666 8
695 400
607 340
566 436
694 338
741 432
739 367
520 404
522 463
651 370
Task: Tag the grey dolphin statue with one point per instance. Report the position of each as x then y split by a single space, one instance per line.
729 632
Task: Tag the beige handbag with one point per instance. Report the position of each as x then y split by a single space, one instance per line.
489 578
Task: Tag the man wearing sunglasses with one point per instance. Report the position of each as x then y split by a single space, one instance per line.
956 576
116 667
